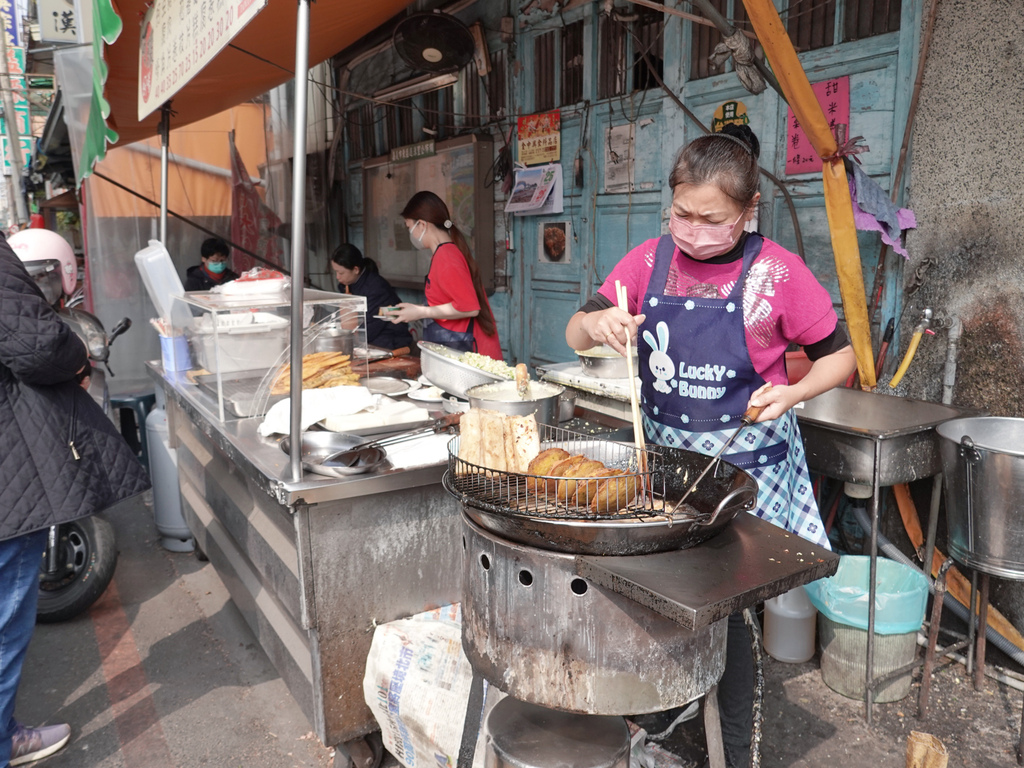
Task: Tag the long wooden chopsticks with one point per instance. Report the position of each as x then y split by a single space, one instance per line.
622 299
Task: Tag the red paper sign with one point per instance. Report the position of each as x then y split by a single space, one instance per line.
253 224
834 97
540 138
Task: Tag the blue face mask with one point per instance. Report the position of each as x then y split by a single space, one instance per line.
216 266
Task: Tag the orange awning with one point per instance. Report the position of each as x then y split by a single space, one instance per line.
260 58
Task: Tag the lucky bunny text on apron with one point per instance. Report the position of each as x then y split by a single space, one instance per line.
697 378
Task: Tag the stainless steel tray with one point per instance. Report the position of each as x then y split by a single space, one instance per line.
240 392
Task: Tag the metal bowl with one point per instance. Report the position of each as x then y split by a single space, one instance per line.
603 362
501 396
335 339
317 446
443 369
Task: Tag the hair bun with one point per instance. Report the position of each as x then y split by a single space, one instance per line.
746 135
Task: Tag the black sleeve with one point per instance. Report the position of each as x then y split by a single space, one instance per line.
596 304
831 343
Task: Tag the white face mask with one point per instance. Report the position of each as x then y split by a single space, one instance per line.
417 242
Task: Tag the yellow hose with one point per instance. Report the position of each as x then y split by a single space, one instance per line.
906 359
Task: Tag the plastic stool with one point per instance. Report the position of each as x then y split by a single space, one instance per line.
139 404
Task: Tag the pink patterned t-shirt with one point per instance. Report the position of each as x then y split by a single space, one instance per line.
783 302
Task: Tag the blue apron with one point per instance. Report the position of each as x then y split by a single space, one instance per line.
697 378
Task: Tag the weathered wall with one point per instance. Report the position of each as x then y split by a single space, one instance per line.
965 188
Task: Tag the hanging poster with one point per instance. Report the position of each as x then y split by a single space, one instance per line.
539 138
536 191
178 39
618 158
834 97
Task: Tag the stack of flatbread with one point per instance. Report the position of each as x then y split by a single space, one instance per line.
320 370
495 441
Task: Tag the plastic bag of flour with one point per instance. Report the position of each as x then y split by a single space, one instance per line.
417 685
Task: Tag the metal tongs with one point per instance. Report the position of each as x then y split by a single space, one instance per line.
350 456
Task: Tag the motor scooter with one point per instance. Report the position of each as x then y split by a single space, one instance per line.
81 555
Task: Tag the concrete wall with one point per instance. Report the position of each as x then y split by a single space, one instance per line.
965 188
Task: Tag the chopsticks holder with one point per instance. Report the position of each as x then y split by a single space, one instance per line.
622 298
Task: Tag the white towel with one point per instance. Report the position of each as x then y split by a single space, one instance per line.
421 452
317 405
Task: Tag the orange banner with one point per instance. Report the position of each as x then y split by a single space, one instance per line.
797 89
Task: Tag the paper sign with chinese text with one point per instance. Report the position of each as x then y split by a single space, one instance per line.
729 113
539 138
10 14
834 97
57 22
179 38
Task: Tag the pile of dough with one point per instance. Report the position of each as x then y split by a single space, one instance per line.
495 441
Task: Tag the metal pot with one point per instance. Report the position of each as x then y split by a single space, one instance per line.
501 396
335 339
983 474
603 362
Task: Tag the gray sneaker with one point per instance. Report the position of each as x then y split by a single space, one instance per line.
30 744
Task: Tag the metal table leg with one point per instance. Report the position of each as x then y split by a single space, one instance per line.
979 654
713 729
869 672
933 638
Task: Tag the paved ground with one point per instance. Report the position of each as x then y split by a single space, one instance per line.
164 673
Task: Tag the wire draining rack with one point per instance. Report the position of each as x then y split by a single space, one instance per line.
511 493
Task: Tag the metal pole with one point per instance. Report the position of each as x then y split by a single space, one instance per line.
869 672
165 140
298 232
13 139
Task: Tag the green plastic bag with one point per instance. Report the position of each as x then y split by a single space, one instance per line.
900 598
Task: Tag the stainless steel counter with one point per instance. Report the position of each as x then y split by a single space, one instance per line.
312 565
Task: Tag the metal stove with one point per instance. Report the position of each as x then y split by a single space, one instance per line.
554 625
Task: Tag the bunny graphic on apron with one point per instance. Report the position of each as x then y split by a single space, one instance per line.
697 378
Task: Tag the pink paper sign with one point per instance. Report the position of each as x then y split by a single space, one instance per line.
834 97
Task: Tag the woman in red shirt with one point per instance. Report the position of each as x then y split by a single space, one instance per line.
457 313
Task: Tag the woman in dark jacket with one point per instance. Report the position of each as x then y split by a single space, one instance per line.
60 459
358 275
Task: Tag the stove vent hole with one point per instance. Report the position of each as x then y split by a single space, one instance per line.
463 543
578 586
485 561
525 578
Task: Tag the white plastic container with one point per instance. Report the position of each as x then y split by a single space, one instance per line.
789 626
159 276
246 341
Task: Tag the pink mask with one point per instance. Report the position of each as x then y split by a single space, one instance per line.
702 241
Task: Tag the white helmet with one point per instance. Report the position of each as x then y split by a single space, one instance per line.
42 245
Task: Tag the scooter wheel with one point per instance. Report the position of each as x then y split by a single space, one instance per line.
87 557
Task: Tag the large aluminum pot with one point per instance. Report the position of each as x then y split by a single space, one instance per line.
983 473
501 396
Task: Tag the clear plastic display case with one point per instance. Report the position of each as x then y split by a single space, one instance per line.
236 349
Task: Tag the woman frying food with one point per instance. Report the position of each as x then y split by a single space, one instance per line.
713 308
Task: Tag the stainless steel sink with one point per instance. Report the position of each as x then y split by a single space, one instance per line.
842 426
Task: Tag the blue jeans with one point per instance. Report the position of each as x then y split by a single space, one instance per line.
19 592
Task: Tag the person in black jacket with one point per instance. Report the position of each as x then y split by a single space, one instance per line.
214 268
60 459
358 275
